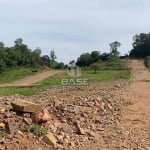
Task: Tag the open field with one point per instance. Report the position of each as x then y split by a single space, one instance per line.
55 80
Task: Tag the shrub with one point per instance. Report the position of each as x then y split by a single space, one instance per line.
147 61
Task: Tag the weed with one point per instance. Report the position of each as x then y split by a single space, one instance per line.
38 130
126 102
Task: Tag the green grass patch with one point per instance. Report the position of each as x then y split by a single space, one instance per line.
54 80
25 91
36 129
15 74
100 76
106 75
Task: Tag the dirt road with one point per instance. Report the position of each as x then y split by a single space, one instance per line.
136 118
140 88
28 81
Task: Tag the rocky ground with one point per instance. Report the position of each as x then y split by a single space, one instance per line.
98 117
77 118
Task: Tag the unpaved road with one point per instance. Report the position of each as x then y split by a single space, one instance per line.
140 88
136 118
28 81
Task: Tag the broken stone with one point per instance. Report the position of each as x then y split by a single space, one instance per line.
2 125
60 138
41 116
65 128
2 140
28 121
90 133
57 102
8 115
50 139
26 115
11 128
109 106
80 130
2 110
25 106
100 129
66 141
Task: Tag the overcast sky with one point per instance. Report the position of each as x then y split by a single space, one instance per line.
72 27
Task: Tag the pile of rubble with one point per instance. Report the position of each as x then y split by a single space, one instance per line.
59 124
88 118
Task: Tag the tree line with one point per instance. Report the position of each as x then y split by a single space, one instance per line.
141 46
141 49
20 55
97 61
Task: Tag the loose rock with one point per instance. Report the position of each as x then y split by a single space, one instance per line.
50 139
41 116
25 106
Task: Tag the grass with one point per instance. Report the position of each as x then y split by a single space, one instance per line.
26 91
126 102
53 80
100 76
137 121
36 129
106 75
15 74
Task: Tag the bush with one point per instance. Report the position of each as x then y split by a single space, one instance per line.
147 61
95 67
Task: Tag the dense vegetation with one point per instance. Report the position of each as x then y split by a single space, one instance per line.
141 46
102 61
20 55
147 61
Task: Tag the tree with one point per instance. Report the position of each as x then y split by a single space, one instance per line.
45 60
18 42
95 56
84 60
52 55
52 58
95 67
60 65
36 56
113 48
141 45
2 51
2 65
72 62
104 56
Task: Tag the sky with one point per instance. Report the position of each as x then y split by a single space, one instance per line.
73 27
